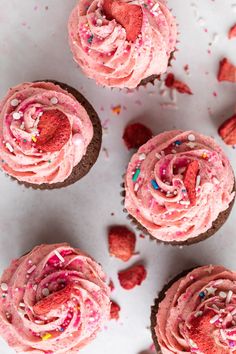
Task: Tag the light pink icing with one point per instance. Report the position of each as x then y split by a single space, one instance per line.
206 294
167 212
68 327
100 47
19 156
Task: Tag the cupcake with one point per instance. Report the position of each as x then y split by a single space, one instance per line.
195 313
50 136
122 44
53 300
179 187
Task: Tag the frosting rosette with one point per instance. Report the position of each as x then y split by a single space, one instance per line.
54 300
177 184
197 314
120 43
44 133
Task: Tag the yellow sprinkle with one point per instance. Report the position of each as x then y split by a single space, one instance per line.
34 139
204 155
116 109
46 336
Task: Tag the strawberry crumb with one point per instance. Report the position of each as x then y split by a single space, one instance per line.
121 242
135 135
115 311
132 277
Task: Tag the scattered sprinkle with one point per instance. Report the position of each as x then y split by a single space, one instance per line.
142 157
45 292
229 296
191 137
9 147
116 110
202 294
54 100
154 184
59 256
222 294
16 115
46 336
135 176
214 319
34 138
31 269
14 102
4 287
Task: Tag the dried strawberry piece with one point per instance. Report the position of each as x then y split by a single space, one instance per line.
180 86
201 333
227 71
54 131
121 242
129 16
232 32
132 277
53 301
227 131
111 285
190 179
115 310
135 135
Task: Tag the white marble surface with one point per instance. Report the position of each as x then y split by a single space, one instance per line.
33 45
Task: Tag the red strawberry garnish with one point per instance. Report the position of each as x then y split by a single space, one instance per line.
227 71
232 32
115 309
127 15
227 131
54 131
53 301
180 86
121 242
135 135
190 179
132 277
201 333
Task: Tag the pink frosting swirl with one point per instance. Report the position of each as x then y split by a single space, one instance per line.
54 300
20 114
156 194
198 313
101 49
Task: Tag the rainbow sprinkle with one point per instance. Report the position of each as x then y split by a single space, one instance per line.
34 139
46 336
135 176
154 184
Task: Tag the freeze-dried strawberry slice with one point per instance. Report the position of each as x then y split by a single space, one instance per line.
201 333
227 131
190 179
121 242
178 85
232 32
135 135
132 277
129 16
111 285
53 301
227 71
54 131
115 310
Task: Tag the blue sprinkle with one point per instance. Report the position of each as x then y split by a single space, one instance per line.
154 184
90 39
178 142
202 294
61 329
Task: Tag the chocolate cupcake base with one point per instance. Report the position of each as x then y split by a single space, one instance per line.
89 159
216 225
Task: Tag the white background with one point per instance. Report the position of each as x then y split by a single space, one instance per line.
33 46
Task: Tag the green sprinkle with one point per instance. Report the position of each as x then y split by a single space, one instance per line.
90 39
24 141
135 176
49 161
145 5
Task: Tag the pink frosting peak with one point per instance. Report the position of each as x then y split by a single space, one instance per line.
21 112
156 192
101 48
53 300
198 312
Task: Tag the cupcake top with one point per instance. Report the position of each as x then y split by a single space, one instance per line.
53 300
44 133
177 184
198 312
119 43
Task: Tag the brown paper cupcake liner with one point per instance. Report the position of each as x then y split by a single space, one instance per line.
216 225
92 153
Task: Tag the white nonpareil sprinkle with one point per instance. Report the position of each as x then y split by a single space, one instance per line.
155 7
214 319
222 294
9 147
54 100
14 102
59 256
16 115
142 157
198 314
191 137
45 292
99 22
4 287
31 269
21 304
184 202
136 187
229 296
